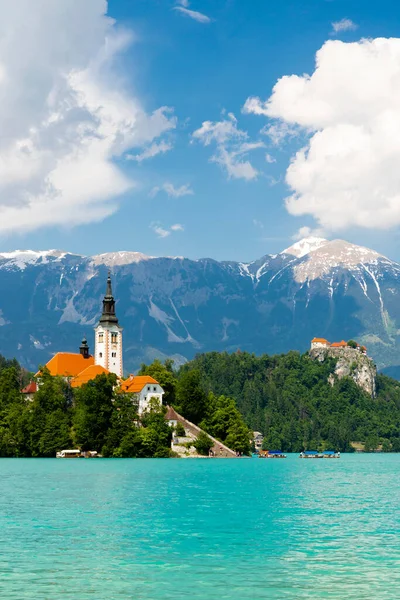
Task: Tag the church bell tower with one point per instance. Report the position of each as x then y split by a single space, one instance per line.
108 336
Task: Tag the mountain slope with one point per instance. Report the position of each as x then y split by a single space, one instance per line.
177 307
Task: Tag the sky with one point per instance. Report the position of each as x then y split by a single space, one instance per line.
199 128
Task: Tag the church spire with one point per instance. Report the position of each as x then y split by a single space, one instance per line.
108 315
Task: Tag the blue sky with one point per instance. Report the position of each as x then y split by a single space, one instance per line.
217 190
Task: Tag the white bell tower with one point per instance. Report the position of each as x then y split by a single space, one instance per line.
108 336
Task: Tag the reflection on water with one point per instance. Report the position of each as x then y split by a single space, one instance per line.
229 529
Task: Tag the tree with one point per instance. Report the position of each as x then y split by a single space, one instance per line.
164 374
180 430
352 344
93 412
191 398
122 433
371 443
203 444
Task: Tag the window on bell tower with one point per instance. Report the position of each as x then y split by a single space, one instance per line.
101 337
114 338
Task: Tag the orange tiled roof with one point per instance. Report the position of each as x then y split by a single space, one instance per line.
68 364
31 388
88 374
320 341
341 344
134 385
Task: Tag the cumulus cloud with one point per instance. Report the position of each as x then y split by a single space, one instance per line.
347 175
343 25
162 232
232 147
307 232
192 14
151 151
171 190
64 116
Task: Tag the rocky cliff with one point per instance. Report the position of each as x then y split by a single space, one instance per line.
350 363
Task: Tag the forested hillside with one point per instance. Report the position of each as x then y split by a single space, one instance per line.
289 399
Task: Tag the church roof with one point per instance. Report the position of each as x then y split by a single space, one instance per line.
108 316
68 364
88 374
134 385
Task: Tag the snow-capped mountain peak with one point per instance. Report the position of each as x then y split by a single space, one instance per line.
305 246
113 259
337 253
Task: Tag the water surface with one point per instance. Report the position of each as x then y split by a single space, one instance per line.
200 529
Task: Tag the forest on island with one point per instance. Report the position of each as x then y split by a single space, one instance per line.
285 397
289 400
98 416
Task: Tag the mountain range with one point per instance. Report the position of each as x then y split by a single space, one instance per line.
176 307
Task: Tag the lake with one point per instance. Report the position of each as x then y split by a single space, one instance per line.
200 529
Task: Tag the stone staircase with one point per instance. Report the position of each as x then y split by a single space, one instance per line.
219 449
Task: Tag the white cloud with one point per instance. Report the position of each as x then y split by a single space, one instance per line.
231 145
64 114
151 151
278 133
184 3
193 14
270 159
171 190
307 232
348 173
162 232
343 25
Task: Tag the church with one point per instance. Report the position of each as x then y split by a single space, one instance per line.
81 367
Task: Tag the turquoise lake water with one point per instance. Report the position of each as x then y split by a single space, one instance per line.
200 529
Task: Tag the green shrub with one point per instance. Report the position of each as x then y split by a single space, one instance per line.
203 444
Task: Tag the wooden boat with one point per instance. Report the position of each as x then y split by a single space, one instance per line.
271 454
310 454
69 454
330 454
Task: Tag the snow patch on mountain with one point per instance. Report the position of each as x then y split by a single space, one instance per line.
338 253
20 259
113 259
305 246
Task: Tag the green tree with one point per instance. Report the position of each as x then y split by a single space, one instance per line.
164 374
203 443
180 430
352 344
93 412
191 398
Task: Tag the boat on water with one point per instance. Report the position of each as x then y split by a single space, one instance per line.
271 454
331 454
310 454
316 454
78 454
69 454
